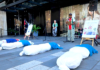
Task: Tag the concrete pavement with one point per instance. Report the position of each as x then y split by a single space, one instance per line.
10 59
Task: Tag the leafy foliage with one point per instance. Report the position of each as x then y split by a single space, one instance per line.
12 30
35 29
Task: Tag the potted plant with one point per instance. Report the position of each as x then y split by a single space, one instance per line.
15 32
10 31
35 30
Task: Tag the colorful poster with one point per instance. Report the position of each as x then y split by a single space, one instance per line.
90 29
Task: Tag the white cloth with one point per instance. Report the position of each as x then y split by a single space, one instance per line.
72 58
11 45
3 41
31 42
29 30
35 49
82 50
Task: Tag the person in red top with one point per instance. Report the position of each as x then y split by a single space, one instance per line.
71 28
24 22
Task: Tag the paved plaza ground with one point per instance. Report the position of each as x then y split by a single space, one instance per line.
10 59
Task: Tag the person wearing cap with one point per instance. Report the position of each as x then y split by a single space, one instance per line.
71 28
55 25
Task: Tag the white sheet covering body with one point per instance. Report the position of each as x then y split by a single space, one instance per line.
3 41
35 49
72 58
11 45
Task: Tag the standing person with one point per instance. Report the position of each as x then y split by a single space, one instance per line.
71 28
55 25
24 22
25 29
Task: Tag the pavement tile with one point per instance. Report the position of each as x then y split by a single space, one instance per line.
11 69
50 63
39 67
7 57
65 50
54 68
3 62
27 65
4 55
88 63
47 58
11 64
30 58
98 63
80 68
8 65
10 51
58 54
97 67
95 57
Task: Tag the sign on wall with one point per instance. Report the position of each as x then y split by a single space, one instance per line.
90 28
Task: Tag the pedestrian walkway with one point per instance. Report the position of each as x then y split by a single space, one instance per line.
10 59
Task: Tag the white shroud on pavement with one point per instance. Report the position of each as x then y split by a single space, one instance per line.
72 58
11 45
35 49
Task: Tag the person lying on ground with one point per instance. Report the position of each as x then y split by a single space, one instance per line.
36 49
73 58
17 44
10 40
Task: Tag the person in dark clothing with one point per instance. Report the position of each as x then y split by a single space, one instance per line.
25 29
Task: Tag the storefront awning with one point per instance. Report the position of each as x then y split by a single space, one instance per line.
22 5
19 5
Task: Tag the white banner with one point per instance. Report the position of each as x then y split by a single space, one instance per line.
90 29
29 30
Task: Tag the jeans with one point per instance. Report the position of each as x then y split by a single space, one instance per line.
54 32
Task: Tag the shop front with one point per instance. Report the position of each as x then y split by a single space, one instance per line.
80 13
